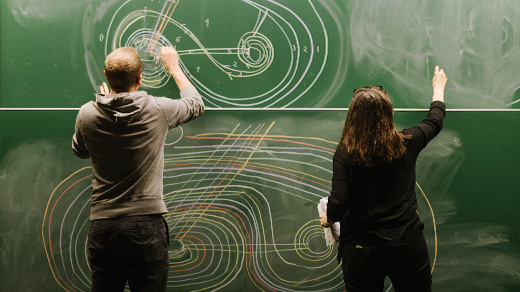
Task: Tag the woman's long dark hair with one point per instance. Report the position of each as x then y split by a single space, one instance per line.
369 136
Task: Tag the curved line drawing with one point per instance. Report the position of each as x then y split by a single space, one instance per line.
279 40
179 128
434 226
241 205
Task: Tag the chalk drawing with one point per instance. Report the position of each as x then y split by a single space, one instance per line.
241 211
270 55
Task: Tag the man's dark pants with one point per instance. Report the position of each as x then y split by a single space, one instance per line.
131 248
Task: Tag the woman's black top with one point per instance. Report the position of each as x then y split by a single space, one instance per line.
377 205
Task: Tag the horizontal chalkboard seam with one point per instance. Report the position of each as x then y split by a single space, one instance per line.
272 109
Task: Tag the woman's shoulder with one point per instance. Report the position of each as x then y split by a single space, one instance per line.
410 133
409 136
340 153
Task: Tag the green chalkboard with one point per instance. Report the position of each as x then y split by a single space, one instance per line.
242 192
266 53
242 186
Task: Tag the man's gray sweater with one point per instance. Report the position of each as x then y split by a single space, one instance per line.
124 135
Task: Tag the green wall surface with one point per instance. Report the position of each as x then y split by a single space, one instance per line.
291 53
243 181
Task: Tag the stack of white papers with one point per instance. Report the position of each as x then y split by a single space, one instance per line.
332 233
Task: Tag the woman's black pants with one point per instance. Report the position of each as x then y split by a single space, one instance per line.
407 266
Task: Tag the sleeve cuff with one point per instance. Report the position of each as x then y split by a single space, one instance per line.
438 104
189 90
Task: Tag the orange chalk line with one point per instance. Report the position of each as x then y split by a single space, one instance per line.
49 229
255 165
266 139
240 170
222 179
163 25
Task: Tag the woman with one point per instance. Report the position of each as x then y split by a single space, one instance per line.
373 193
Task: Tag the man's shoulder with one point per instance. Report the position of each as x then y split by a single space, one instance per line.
88 109
88 105
163 103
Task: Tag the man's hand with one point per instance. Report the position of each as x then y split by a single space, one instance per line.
104 88
323 220
171 63
170 58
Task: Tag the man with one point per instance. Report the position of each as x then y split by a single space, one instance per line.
123 132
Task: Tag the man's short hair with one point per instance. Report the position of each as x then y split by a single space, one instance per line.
122 68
